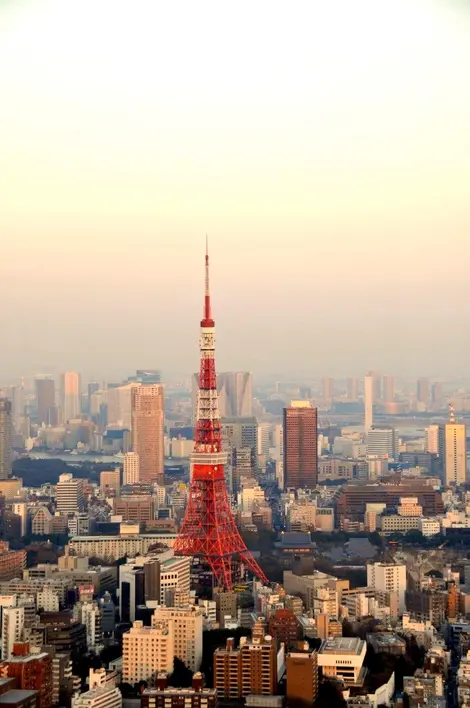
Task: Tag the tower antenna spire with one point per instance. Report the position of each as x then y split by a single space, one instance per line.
207 320
451 413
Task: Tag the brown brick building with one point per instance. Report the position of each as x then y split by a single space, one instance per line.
284 627
300 446
33 672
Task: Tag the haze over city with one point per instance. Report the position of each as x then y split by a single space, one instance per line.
325 150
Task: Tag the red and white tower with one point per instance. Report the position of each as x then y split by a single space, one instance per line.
208 529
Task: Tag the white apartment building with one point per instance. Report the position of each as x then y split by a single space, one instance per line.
429 527
324 601
47 600
146 651
114 547
388 577
69 494
12 629
131 468
187 624
91 618
99 698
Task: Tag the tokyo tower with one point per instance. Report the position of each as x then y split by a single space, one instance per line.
208 529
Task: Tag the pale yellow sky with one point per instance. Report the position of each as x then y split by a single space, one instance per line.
324 146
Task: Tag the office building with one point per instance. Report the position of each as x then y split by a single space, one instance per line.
388 388
388 577
131 590
431 437
352 389
328 389
341 659
147 651
70 396
41 524
187 625
119 405
368 402
110 482
235 392
6 433
20 509
69 494
453 452
300 446
382 442
148 431
301 678
45 400
423 393
131 468
12 563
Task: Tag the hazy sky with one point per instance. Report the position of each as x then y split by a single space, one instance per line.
324 147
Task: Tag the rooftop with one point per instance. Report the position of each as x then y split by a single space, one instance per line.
16 696
342 645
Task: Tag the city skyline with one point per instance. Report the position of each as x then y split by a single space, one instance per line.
328 176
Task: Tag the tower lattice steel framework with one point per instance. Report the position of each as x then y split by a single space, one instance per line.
208 529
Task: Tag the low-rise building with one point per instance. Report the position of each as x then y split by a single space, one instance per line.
342 658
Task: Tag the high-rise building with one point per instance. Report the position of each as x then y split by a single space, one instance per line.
69 494
250 669
388 577
436 396
382 442
453 451
70 396
6 432
119 405
147 651
131 590
148 431
131 468
388 388
12 629
110 482
368 402
422 392
301 678
328 387
45 400
300 446
431 437
352 389
235 390
187 623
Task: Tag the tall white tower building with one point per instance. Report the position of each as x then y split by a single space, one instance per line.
368 402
